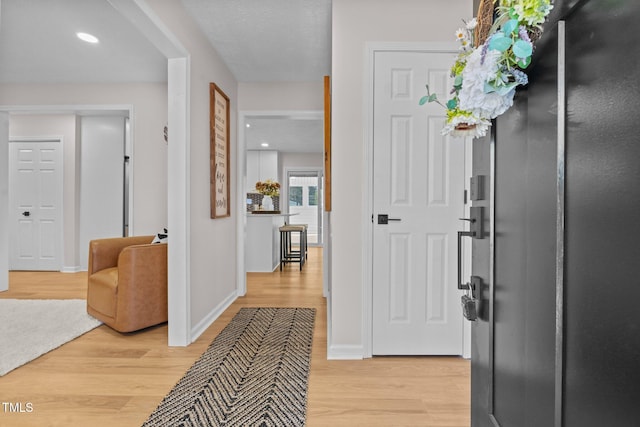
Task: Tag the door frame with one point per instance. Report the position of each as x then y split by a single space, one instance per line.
4 201
367 196
241 178
58 139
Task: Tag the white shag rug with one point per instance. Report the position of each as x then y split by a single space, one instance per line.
31 328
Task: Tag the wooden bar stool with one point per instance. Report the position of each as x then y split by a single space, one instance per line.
306 241
287 253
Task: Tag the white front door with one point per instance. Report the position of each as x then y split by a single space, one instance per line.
35 201
419 183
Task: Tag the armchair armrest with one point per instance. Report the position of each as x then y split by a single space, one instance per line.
103 253
142 284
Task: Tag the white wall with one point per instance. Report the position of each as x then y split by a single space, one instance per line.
281 96
301 160
64 125
4 201
212 244
356 23
149 162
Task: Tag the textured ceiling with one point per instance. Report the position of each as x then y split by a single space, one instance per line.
293 134
268 40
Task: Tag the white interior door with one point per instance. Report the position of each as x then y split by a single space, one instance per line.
35 200
419 183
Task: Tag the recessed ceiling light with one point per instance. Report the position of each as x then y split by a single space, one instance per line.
264 144
89 38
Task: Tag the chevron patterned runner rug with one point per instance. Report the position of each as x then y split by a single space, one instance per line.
254 373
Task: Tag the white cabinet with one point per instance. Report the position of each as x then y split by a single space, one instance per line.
261 165
262 252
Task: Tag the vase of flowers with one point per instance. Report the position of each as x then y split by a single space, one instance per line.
268 189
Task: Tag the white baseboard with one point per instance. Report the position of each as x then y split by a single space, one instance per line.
202 325
345 352
74 269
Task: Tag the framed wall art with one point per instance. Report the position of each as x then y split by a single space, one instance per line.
220 152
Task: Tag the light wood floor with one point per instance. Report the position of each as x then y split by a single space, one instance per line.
105 378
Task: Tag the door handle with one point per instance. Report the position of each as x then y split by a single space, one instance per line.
462 234
476 231
384 219
26 213
468 300
476 222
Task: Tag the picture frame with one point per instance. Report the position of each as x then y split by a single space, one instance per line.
219 152
327 143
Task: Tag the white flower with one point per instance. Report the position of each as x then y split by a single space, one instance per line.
460 34
473 23
465 45
463 125
472 95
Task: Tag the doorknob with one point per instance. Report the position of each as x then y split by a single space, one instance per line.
26 213
384 219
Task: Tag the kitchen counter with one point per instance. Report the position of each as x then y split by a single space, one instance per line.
269 213
262 251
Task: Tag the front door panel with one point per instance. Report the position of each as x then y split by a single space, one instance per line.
513 342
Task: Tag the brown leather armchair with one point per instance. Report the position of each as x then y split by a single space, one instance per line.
127 282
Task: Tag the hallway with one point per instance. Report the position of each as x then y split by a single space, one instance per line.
105 378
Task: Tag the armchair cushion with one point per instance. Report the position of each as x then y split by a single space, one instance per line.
104 286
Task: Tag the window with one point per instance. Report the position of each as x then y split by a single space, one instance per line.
313 196
295 196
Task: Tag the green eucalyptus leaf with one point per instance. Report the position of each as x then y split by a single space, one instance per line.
433 97
524 63
503 90
458 81
424 100
489 87
510 26
522 49
500 42
452 104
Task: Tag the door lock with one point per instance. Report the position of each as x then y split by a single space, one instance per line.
469 300
26 213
